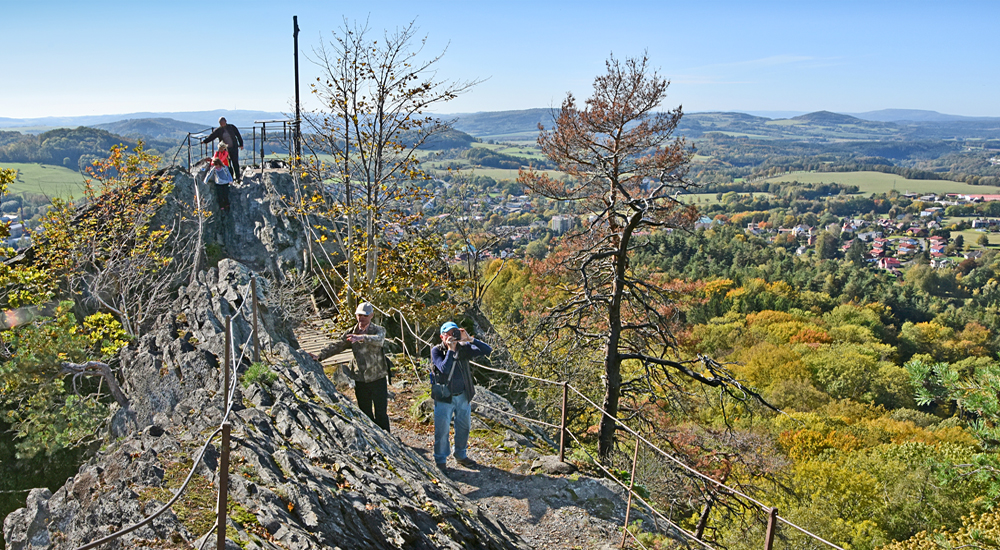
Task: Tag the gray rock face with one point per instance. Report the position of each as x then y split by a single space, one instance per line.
260 229
307 470
552 465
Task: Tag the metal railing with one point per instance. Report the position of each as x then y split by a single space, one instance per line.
196 150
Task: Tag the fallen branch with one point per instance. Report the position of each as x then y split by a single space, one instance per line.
97 368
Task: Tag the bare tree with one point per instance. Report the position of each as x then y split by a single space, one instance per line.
375 93
624 167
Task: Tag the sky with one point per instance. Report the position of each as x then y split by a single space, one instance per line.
96 57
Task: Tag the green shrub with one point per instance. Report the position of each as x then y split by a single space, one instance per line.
259 372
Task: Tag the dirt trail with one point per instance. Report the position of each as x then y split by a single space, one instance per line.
549 512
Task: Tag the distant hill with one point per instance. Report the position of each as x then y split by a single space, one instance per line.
71 148
915 115
828 118
502 124
152 128
208 118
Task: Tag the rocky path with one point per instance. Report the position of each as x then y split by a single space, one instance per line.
551 512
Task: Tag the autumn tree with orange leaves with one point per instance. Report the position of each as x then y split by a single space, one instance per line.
624 167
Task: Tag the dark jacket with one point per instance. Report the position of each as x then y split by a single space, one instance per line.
229 134
445 360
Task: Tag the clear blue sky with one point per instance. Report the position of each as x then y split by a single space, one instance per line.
66 58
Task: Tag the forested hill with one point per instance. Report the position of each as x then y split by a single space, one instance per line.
152 128
72 148
504 124
820 126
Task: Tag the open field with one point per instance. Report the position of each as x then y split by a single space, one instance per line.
877 182
54 181
531 152
705 199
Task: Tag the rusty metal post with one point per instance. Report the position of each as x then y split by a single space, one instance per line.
256 336
229 360
253 147
220 529
631 483
562 424
772 526
189 150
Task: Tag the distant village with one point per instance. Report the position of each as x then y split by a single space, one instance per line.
890 243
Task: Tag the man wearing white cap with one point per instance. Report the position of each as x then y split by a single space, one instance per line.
369 368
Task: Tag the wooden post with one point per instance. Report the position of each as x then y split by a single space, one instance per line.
772 526
562 424
220 529
256 337
631 483
229 361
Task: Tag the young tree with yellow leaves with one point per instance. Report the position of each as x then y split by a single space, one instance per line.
375 93
106 250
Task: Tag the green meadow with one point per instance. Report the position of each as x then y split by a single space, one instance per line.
877 182
54 181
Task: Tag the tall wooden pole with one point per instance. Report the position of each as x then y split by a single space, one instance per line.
220 528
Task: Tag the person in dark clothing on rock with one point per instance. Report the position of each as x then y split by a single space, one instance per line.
230 135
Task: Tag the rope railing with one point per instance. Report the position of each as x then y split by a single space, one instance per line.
635 495
229 386
720 486
525 418
803 531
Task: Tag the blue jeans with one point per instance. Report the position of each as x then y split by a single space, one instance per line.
461 409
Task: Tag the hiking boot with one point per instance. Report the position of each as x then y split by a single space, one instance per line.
443 466
467 462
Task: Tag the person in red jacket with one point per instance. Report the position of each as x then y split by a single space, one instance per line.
223 155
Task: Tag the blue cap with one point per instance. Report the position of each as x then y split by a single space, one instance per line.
448 326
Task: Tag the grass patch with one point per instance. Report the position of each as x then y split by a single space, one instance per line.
259 372
877 182
196 507
54 181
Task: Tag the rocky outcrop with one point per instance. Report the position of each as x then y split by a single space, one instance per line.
261 229
308 470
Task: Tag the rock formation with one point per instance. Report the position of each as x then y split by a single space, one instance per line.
308 470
